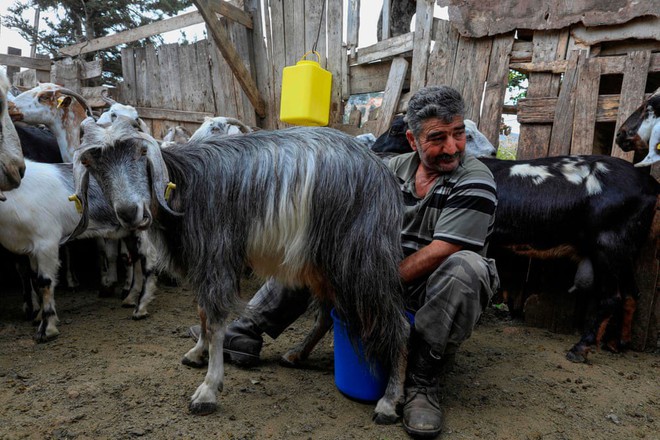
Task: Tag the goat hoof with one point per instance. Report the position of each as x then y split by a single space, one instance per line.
127 305
140 317
384 419
202 409
41 338
576 357
290 361
193 364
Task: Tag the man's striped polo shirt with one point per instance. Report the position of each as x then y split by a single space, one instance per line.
459 209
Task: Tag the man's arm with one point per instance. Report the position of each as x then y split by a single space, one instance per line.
426 260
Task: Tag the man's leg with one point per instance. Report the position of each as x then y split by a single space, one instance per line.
271 310
455 295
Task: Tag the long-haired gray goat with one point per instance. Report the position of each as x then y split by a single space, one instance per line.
308 206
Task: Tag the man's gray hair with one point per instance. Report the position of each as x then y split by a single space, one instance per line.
441 102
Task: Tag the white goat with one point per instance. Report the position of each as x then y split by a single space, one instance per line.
62 110
219 126
37 216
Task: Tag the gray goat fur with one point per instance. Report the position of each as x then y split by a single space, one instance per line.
308 206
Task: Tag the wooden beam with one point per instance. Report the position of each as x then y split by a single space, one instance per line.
421 43
542 110
232 57
27 62
387 48
558 66
608 65
232 12
130 35
172 115
392 94
586 103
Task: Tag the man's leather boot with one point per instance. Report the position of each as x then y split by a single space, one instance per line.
422 415
242 343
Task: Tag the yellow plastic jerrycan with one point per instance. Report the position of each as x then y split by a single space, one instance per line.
306 93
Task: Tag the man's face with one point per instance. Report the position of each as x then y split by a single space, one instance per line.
440 145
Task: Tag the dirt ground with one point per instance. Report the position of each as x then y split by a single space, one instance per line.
109 377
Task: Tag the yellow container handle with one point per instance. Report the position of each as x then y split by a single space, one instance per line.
318 56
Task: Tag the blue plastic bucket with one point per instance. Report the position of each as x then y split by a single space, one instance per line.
354 375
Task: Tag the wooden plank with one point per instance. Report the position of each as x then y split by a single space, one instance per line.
368 78
496 82
128 92
279 53
335 65
421 43
392 93
231 12
632 93
586 100
188 80
169 54
640 28
315 17
608 65
555 66
441 59
136 34
392 47
27 62
353 25
386 18
262 66
154 77
204 74
534 140
94 96
292 53
222 82
473 55
238 35
142 82
233 58
174 115
562 125
521 51
542 110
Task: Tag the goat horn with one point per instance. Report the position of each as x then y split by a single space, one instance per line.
106 98
79 97
81 181
159 175
244 128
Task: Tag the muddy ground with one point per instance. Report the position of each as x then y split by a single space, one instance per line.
107 376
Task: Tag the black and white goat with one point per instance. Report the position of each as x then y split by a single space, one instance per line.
12 165
596 210
296 204
641 131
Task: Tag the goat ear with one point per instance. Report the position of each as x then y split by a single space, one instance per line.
81 183
158 174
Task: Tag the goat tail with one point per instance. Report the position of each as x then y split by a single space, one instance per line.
364 273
